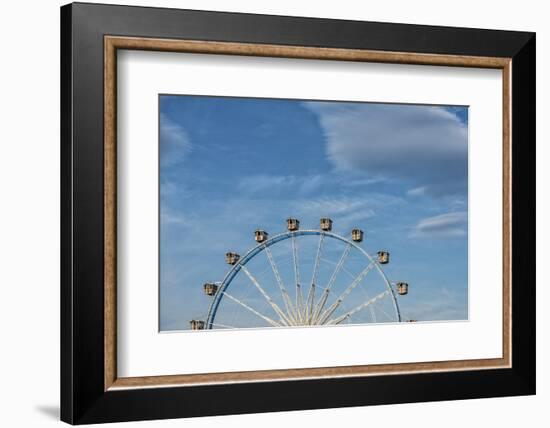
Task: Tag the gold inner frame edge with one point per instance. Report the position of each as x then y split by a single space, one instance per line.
113 43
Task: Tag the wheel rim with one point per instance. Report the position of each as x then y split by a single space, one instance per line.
289 316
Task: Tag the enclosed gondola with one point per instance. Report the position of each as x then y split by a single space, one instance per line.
232 258
210 288
260 236
402 288
292 224
326 224
357 235
383 257
197 324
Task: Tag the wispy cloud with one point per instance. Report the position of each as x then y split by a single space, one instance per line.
446 302
174 140
449 225
428 145
171 217
349 211
361 182
173 190
417 191
337 206
262 182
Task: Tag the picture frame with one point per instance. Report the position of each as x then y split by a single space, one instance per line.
91 391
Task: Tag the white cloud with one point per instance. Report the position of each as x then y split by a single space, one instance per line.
290 183
447 225
260 183
361 182
347 211
170 189
417 191
174 140
171 217
446 302
304 185
335 207
425 144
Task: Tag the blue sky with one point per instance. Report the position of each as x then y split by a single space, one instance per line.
231 165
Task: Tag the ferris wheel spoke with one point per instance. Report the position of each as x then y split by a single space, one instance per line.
267 297
383 311
323 300
284 293
362 306
299 295
372 313
343 269
313 284
328 313
254 311
223 325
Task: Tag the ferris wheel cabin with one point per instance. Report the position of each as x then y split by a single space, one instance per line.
210 288
402 288
232 258
383 257
357 235
326 224
260 236
292 224
197 324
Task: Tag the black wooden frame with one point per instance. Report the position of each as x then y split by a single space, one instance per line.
83 399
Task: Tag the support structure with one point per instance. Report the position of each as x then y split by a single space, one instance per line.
300 311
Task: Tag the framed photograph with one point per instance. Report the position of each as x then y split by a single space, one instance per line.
265 213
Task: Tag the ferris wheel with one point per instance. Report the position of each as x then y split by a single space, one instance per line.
303 277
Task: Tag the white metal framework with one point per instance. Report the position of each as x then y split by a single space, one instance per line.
309 304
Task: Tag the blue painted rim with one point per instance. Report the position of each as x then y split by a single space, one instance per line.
273 240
